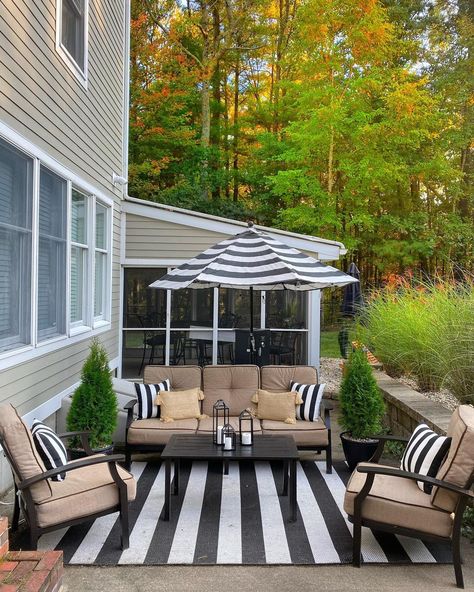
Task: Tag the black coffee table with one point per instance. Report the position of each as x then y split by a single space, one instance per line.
201 447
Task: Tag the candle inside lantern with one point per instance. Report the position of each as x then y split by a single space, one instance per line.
228 443
246 438
219 434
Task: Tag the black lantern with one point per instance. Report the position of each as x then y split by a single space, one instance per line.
228 437
220 417
246 428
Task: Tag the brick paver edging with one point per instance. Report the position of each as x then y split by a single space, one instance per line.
28 571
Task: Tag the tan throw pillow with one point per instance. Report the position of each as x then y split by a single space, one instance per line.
180 404
277 406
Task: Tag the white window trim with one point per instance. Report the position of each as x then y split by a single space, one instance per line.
106 315
81 75
83 323
11 358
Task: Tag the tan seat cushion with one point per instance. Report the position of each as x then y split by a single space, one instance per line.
180 404
279 378
459 464
19 442
181 378
84 492
277 406
154 431
305 433
234 384
399 502
205 425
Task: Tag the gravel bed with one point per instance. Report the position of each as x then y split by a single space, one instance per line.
331 374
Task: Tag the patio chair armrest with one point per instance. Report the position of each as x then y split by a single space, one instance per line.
84 437
394 472
71 466
381 445
326 408
128 407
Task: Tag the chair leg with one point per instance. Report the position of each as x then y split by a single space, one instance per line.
125 539
16 511
128 458
34 536
329 459
456 544
356 543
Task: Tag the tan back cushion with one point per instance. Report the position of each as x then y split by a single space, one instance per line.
180 404
236 385
20 446
459 464
181 378
278 378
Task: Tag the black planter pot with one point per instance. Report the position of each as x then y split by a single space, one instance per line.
76 453
357 451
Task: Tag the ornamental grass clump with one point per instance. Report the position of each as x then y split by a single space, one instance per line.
362 405
94 404
425 331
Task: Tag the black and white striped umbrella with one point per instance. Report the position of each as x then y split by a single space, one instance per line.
253 259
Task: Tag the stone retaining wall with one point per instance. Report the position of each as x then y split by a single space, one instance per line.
406 408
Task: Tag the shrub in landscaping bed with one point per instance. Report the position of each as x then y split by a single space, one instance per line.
425 331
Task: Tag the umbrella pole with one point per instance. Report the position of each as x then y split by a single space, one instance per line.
251 336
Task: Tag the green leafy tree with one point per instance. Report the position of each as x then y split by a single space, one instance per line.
94 404
362 405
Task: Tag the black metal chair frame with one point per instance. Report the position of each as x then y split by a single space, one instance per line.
358 521
24 500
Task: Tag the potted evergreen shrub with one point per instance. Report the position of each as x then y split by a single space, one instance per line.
362 409
94 403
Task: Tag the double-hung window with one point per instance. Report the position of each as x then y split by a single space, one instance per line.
55 255
52 255
79 258
16 198
101 262
72 33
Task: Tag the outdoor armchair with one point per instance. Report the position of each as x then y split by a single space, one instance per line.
389 499
93 486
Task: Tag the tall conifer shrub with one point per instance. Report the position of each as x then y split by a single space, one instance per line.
362 405
94 404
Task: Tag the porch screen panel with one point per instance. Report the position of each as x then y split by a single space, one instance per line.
16 171
52 256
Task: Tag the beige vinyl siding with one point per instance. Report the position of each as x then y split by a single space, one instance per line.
147 238
43 100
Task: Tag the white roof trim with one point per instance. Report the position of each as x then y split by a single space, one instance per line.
326 249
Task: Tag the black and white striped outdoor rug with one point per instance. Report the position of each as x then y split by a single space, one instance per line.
236 519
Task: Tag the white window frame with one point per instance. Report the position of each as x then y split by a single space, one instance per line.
85 322
81 75
99 320
73 335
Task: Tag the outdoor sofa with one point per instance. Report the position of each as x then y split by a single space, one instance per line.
236 385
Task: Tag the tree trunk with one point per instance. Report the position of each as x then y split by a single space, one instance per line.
330 161
235 126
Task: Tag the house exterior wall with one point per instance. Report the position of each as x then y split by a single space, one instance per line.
80 128
147 238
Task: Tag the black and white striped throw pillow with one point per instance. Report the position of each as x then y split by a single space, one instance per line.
146 395
424 454
50 448
312 395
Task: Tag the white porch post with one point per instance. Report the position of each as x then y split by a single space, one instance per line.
314 326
